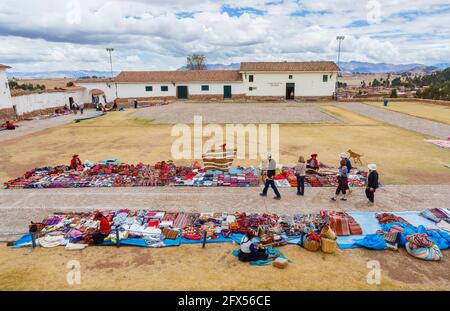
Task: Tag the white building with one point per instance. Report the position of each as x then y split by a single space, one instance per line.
254 80
6 106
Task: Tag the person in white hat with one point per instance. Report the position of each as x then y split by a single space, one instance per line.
372 183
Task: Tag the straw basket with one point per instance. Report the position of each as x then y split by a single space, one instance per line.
328 233
311 245
328 246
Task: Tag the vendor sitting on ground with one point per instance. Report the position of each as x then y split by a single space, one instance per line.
104 229
249 251
75 162
9 125
313 163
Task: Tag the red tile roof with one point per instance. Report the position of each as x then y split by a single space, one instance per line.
180 76
289 66
94 80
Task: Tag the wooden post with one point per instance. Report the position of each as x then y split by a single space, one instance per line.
117 237
33 239
204 238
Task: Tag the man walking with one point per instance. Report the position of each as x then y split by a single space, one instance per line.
372 183
271 166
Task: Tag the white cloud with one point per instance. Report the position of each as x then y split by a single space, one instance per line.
54 35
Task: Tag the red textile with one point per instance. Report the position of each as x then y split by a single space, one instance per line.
74 163
105 228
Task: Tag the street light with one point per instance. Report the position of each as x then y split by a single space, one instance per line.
110 50
340 39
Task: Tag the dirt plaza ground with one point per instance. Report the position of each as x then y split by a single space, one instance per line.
412 170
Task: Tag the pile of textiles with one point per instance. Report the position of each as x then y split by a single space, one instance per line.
386 218
441 216
112 173
148 227
420 246
341 223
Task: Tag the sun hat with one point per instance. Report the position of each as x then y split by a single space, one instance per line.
75 155
314 155
372 167
343 155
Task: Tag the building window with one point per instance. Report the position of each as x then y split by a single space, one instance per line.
325 78
149 88
290 76
164 88
205 87
250 89
250 78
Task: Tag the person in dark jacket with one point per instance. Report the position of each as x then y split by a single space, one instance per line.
272 165
372 183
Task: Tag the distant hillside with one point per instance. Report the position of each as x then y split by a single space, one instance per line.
365 67
59 74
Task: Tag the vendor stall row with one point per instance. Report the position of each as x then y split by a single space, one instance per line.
423 234
111 173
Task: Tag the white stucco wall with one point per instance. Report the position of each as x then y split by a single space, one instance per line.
129 90
5 95
36 101
108 88
274 84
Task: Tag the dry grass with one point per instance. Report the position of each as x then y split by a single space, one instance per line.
433 112
50 84
402 156
212 268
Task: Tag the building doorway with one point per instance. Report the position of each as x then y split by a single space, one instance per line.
182 92
290 91
227 92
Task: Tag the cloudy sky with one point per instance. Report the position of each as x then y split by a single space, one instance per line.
44 35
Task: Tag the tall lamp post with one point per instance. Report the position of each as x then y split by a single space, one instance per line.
110 50
340 39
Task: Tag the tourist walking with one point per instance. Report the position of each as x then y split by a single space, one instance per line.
342 182
344 156
372 183
81 107
271 167
300 173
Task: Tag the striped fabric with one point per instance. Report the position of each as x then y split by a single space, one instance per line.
219 160
432 253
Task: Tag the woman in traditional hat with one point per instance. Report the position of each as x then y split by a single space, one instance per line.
313 163
75 162
372 183
104 228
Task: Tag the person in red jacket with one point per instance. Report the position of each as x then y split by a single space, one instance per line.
75 162
313 162
104 229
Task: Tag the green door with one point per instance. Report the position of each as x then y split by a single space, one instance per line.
227 92
182 92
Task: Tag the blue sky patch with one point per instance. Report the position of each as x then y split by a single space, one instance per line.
236 12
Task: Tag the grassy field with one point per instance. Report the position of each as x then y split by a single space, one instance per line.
402 156
433 112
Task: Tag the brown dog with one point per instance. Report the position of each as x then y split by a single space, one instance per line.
356 157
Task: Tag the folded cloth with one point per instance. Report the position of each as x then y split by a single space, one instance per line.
429 215
444 225
51 241
419 240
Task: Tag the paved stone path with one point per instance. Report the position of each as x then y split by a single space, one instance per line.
427 127
30 127
19 207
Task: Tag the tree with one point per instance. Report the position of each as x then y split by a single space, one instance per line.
394 93
196 62
376 83
69 84
396 82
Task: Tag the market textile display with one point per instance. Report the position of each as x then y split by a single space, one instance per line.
113 173
324 231
159 229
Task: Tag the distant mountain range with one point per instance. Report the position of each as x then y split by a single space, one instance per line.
348 67
59 74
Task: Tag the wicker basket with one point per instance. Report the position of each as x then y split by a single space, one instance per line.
328 233
170 233
328 246
280 263
311 245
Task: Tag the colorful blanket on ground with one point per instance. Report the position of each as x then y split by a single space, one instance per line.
385 218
